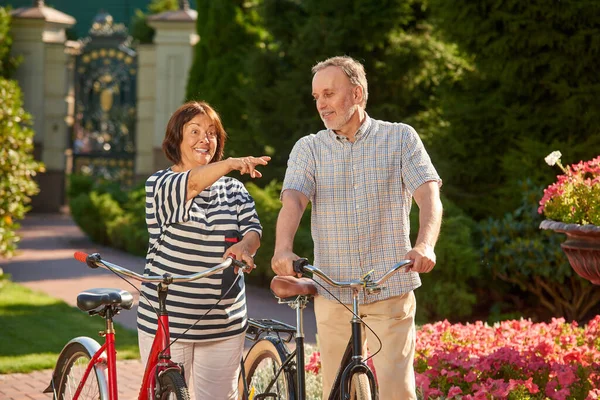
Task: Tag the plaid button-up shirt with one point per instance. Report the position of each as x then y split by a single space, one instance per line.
361 196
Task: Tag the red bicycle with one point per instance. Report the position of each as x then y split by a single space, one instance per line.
87 370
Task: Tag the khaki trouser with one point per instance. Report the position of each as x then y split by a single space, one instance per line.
393 320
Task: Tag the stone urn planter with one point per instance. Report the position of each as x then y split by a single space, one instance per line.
582 247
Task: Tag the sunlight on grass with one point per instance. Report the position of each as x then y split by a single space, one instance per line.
35 327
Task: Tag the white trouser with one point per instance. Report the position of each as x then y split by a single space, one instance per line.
214 366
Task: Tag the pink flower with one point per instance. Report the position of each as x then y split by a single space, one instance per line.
454 391
314 363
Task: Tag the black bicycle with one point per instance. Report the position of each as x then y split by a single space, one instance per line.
272 371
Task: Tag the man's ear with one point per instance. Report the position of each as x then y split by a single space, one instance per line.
358 94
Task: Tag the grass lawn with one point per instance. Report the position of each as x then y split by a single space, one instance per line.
34 328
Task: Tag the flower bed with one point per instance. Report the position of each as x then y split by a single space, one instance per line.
509 360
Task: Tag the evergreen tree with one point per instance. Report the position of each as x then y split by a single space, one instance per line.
533 90
393 40
228 33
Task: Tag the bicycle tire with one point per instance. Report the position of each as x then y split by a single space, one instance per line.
172 386
360 388
261 364
72 364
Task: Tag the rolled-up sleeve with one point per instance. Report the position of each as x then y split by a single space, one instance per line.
417 168
300 173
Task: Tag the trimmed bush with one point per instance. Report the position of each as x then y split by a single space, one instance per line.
93 213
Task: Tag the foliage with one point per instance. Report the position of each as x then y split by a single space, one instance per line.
93 212
35 327
516 251
393 39
17 164
8 63
268 206
139 28
575 197
128 231
228 32
457 268
533 85
108 214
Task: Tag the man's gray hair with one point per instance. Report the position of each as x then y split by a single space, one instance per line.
353 70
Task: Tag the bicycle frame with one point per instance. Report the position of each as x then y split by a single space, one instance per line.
104 360
158 359
353 360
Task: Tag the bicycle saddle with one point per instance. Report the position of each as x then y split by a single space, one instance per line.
289 286
93 298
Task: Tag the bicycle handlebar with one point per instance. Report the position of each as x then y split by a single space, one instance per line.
301 265
94 261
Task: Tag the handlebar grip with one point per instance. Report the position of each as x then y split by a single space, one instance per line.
80 256
90 259
299 265
238 263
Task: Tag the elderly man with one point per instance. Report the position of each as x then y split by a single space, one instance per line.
361 175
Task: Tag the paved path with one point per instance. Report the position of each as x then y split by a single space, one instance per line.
45 263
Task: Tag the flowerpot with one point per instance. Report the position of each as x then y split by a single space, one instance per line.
582 247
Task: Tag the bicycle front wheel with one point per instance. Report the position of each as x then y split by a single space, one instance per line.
264 373
72 363
360 389
172 386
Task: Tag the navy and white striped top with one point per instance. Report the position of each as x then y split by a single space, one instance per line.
188 237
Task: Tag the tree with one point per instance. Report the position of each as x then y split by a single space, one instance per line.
393 39
229 32
533 89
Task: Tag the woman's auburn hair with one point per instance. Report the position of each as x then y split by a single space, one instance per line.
184 114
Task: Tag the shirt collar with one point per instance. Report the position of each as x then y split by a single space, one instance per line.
362 132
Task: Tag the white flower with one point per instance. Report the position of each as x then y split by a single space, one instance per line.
553 157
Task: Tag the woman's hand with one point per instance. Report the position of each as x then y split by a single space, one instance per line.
242 252
247 165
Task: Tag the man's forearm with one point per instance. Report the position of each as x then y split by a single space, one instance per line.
293 205
287 226
430 221
427 197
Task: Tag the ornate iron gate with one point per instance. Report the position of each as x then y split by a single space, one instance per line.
103 136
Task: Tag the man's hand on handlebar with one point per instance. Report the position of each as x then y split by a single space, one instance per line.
281 263
423 257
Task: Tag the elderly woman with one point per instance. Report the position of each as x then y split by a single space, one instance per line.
191 208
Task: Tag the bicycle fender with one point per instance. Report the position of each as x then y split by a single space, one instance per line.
92 347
